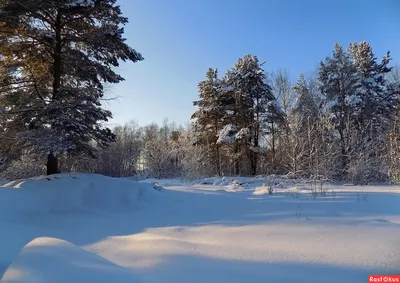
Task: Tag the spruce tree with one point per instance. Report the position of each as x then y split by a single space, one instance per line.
56 56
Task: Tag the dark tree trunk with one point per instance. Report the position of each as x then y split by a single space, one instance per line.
273 148
52 161
218 160
52 164
344 155
253 159
254 154
217 150
237 165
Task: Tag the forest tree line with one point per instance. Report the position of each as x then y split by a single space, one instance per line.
340 122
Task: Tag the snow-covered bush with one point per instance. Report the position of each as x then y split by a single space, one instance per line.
194 162
27 166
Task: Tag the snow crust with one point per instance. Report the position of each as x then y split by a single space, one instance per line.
47 259
220 229
72 193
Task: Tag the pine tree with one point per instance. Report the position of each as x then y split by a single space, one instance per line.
376 103
360 102
56 56
210 116
377 106
255 107
394 130
339 84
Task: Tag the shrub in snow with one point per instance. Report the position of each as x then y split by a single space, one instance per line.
317 188
314 192
364 170
270 190
235 184
295 193
301 213
263 190
157 186
195 161
362 196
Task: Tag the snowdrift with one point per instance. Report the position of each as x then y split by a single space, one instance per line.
259 191
166 182
53 260
73 193
258 183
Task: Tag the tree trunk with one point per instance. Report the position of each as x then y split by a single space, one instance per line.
344 155
236 160
57 59
218 160
254 162
273 148
254 156
52 164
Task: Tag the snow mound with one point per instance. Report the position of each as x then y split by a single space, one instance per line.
54 260
165 182
207 181
72 193
222 181
263 190
247 182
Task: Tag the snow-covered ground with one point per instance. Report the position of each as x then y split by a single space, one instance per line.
89 228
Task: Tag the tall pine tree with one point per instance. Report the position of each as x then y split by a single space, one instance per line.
360 102
255 109
210 116
376 103
56 56
339 85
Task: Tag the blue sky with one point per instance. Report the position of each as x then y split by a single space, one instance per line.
181 39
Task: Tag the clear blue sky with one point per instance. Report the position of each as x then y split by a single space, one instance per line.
181 39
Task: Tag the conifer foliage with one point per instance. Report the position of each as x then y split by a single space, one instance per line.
210 116
360 104
55 57
337 127
234 113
